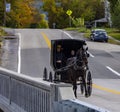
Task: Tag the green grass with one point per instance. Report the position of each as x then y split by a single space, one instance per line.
115 35
79 29
71 29
82 30
87 35
2 32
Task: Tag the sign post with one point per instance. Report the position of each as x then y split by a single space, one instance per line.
4 23
69 12
7 7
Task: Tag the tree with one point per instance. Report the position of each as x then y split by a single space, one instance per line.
20 14
113 4
23 14
55 13
1 12
116 16
39 21
78 22
89 10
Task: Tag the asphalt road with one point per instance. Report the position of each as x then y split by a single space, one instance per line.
104 63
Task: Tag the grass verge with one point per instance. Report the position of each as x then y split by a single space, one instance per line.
2 33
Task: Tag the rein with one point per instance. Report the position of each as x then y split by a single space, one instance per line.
69 66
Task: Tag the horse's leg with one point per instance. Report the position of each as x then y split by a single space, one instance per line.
75 88
85 85
70 75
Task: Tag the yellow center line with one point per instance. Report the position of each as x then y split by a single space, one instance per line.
94 85
46 39
106 89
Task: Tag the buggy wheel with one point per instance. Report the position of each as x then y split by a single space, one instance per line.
89 83
45 75
50 77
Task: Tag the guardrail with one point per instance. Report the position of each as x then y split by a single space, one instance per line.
21 93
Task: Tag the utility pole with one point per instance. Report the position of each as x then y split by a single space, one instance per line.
4 23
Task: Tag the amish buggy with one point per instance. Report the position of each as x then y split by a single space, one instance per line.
69 60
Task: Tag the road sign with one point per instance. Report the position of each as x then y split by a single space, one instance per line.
69 12
8 7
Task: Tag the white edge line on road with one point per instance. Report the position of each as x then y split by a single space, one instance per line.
72 38
67 34
91 55
19 53
115 72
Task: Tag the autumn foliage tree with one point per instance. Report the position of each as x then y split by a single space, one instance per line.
22 14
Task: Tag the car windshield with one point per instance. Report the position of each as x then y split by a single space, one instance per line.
99 32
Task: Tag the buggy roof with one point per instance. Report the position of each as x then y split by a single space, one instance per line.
66 45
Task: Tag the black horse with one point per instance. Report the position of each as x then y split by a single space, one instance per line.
77 70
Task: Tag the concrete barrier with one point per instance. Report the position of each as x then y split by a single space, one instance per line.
76 106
